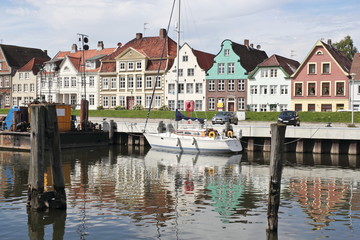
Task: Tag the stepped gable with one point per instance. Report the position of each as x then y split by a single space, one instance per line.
17 56
249 57
154 48
339 57
287 64
33 65
204 59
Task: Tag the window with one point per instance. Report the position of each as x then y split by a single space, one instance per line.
138 82
264 73
14 101
325 89
180 88
130 66
1 66
198 88
263 90
130 82
19 88
326 107
73 81
171 88
211 103
231 68
311 107
211 85
7 100
189 88
253 107
32 87
27 75
253 90
340 89
298 107
138 65
273 73
113 83
122 83
221 85
7 81
185 58
105 83
298 89
21 77
26 87
241 103
91 81
311 89
138 100
284 89
1 81
171 104
263 108
231 85
105 101
181 105
190 72
226 52
83 81
241 85
14 87
148 82
59 82
91 99
312 68
325 68
157 82
113 101
122 66
221 68
122 101
157 101
26 100
73 99
198 105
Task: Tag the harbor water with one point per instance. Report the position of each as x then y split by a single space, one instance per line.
135 193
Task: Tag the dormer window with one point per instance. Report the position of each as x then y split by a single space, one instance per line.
122 66
138 65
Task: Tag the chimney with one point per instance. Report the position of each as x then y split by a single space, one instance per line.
163 33
100 45
246 42
251 45
74 48
329 42
138 35
45 51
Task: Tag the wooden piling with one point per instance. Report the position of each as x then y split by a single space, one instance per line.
84 114
276 165
111 132
44 132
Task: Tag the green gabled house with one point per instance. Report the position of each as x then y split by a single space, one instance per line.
226 80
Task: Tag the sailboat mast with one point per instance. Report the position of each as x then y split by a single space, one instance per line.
177 60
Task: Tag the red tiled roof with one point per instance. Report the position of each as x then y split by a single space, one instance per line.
33 65
152 47
87 53
287 64
343 61
205 60
355 66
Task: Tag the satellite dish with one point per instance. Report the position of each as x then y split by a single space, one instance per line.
258 47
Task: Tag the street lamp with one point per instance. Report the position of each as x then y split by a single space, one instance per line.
352 97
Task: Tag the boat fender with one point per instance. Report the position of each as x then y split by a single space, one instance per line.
212 134
229 133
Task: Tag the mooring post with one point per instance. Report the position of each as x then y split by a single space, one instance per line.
276 165
111 132
36 171
84 114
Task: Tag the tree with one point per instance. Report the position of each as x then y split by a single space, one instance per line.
346 46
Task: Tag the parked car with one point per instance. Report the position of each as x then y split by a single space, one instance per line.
224 117
289 118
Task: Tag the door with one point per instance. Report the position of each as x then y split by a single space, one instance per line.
231 106
129 102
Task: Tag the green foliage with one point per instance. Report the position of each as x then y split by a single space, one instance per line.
346 46
119 108
100 108
137 107
164 108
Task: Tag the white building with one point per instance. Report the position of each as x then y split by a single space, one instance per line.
269 85
193 65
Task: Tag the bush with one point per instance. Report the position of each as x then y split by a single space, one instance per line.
137 107
100 108
119 108
164 108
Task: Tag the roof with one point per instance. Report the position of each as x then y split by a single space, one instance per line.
249 57
33 65
153 48
205 60
355 66
17 56
287 64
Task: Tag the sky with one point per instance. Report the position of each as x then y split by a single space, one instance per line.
289 28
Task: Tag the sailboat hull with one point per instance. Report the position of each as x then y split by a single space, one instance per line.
173 142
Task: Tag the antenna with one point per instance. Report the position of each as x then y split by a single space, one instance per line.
145 27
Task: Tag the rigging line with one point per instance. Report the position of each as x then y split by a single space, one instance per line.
161 59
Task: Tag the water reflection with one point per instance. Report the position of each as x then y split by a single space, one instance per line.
136 193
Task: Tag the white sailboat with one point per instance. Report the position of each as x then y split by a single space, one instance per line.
204 140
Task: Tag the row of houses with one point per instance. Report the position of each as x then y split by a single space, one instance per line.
239 77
